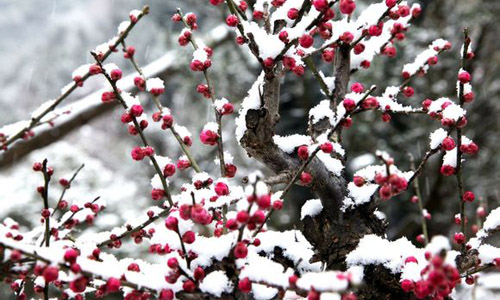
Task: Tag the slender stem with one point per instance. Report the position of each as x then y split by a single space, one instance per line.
310 64
416 188
459 170
139 227
67 187
45 196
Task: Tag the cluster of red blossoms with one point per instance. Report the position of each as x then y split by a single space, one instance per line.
209 137
440 279
389 185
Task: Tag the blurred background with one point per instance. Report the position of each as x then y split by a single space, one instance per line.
43 41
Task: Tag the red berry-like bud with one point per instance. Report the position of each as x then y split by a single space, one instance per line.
407 285
447 170
448 144
245 285
326 147
240 250
349 104
188 286
432 60
50 274
172 223
358 181
113 285
95 69
408 91
232 21
328 55
116 74
71 255
303 152
359 48
320 5
278 205
264 201
464 77
385 192
468 196
79 285
306 41
221 189
292 14
347 6
199 274
305 178
459 238
426 103
173 263
390 3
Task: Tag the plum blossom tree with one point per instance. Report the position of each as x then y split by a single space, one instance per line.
211 237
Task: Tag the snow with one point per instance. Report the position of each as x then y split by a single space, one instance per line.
123 26
488 253
311 208
421 59
135 13
110 67
290 142
436 105
320 111
492 222
81 71
251 101
275 273
437 137
450 158
216 283
373 249
453 112
212 126
182 131
262 292
332 164
294 245
154 83
129 99
219 104
162 161
269 44
361 161
200 54
325 281
389 100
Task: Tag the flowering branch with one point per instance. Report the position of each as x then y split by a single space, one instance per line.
218 115
117 93
129 52
35 120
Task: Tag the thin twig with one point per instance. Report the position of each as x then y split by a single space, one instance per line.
67 187
459 143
